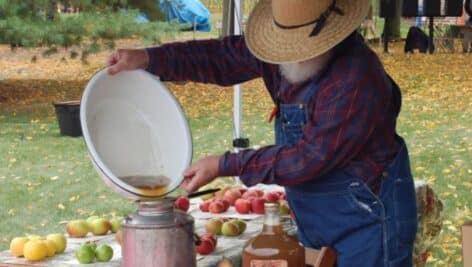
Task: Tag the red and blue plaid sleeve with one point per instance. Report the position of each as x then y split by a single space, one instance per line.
224 62
352 100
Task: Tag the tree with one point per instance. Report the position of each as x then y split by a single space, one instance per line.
36 23
393 23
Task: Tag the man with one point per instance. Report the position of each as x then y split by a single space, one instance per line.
345 171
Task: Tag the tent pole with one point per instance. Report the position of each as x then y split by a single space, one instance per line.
238 142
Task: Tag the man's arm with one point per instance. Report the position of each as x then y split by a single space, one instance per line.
343 120
224 62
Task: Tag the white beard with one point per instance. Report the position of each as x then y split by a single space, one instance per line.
299 72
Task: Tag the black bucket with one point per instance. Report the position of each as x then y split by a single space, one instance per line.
68 117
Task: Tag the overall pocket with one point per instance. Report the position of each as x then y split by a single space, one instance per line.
293 121
293 132
405 210
365 201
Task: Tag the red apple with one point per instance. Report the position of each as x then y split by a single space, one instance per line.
206 247
259 192
231 195
182 203
217 206
242 191
271 196
257 205
225 202
211 237
248 194
279 193
242 206
204 206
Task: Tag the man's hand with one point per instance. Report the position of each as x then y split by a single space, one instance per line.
127 59
201 173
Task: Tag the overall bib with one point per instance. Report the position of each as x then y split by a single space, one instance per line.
340 211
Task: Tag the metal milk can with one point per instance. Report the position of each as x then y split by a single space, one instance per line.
141 151
158 236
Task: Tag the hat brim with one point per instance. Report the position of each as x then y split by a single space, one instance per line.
275 45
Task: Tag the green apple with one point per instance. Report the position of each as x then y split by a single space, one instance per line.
91 219
115 224
99 226
104 252
85 254
230 229
59 240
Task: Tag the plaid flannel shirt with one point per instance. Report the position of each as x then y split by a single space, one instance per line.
351 119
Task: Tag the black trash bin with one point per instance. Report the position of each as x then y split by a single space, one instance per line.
68 117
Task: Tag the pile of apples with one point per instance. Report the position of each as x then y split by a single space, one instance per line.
94 224
244 201
226 227
89 252
37 248
207 244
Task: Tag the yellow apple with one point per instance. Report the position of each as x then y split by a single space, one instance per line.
59 240
16 246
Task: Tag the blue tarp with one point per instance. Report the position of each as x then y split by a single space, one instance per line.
187 11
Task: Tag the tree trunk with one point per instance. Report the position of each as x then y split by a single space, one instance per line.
392 24
51 10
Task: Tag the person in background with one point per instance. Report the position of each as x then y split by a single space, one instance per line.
419 18
468 10
345 170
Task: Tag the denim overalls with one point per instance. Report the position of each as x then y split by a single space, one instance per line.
340 211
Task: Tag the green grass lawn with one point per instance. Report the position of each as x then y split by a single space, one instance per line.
46 179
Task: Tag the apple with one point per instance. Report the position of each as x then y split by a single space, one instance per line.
204 206
115 224
242 206
283 207
85 254
211 237
90 219
59 240
259 192
182 203
248 194
241 225
104 253
242 190
77 228
257 205
205 247
217 206
271 196
226 203
100 226
51 247
35 250
231 195
230 229
16 246
214 226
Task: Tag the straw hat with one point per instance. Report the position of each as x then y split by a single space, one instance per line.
285 31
